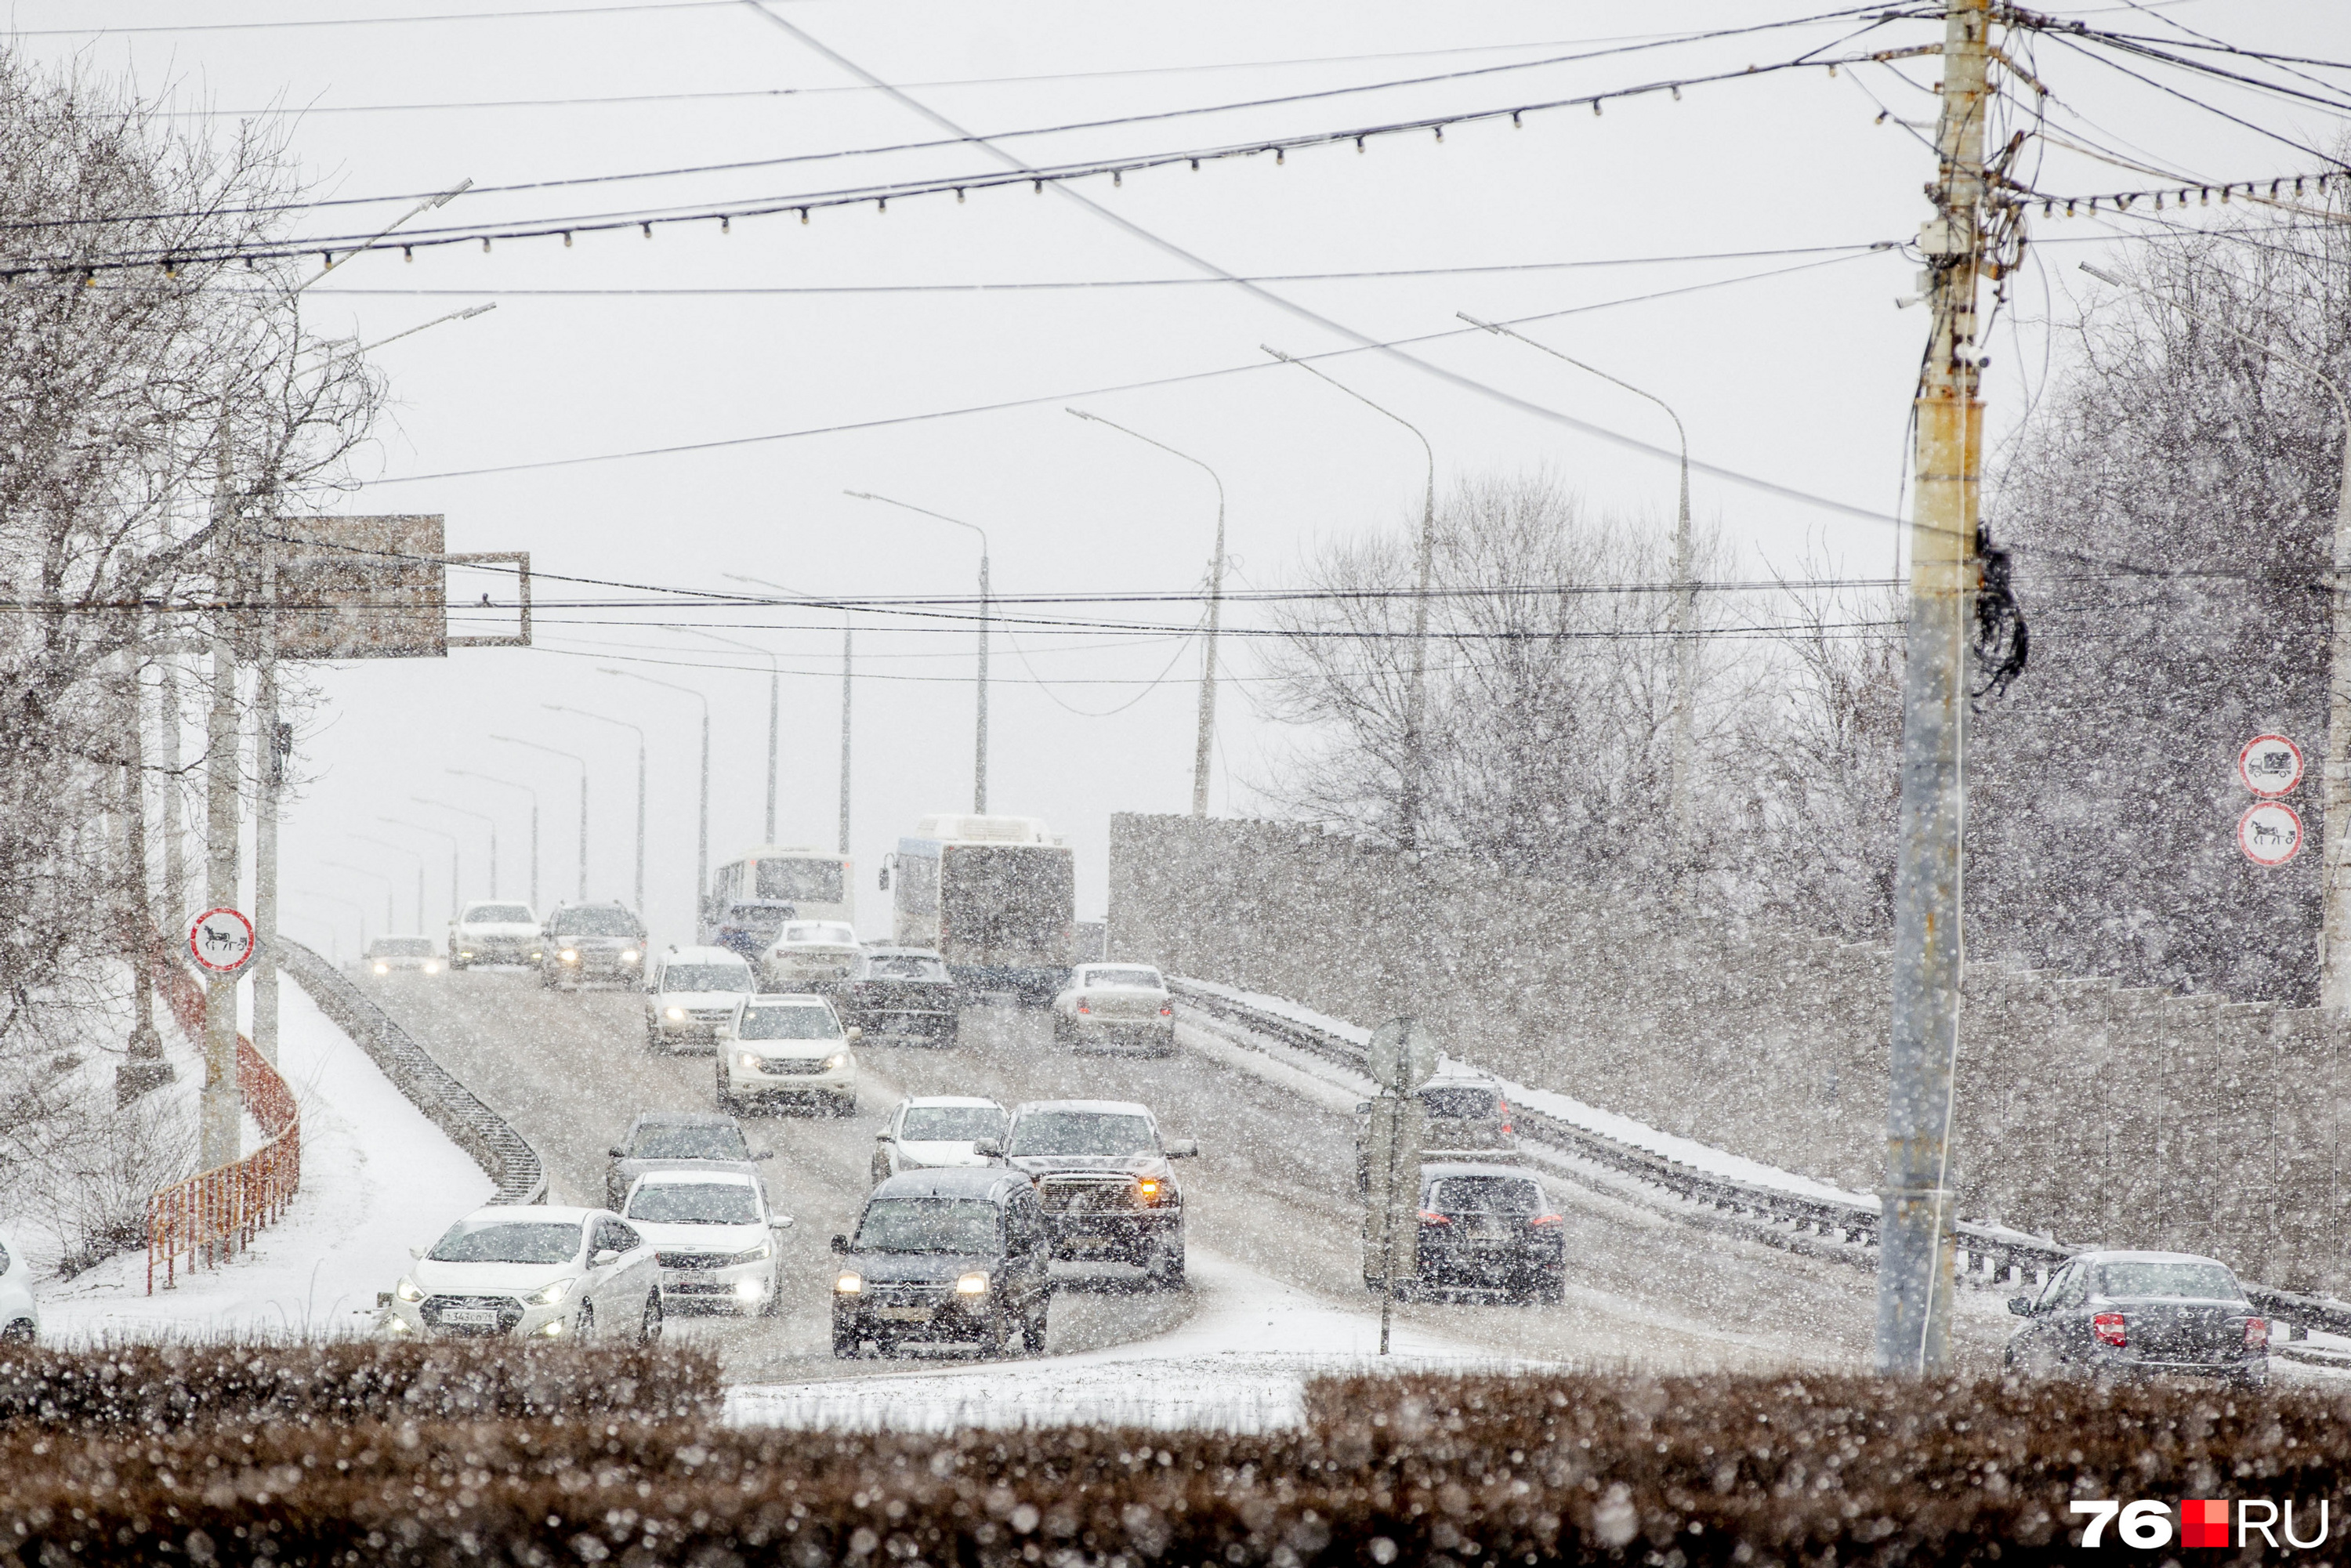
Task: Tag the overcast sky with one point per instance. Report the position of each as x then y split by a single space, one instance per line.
1685 243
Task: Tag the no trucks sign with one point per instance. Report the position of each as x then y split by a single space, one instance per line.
2271 765
221 941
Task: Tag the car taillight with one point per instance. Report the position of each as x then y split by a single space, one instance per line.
2108 1327
1430 1218
1168 1011
1505 1117
1084 1009
2257 1333
1547 1219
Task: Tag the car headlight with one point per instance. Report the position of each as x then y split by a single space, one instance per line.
836 1062
551 1294
555 1327
750 1062
1150 1188
407 1291
431 966
570 955
676 1015
764 1249
399 1325
747 1289
382 967
466 953
629 955
536 955
972 1284
849 1284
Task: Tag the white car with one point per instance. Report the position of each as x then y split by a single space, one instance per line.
807 954
489 932
713 1237
531 1271
1114 1006
386 953
786 1046
690 991
933 1131
20 1315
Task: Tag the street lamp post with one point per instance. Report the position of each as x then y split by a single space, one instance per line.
624 724
774 709
418 855
510 784
846 648
390 920
477 816
980 745
1215 609
1685 618
1416 691
583 761
702 838
353 905
455 903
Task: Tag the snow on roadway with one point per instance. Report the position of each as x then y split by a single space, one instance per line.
1238 1364
377 1179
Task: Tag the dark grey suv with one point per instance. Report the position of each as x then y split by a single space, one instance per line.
943 1255
1102 1175
677 1140
2141 1315
592 944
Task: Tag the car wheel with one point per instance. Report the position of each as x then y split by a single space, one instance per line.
649 1331
587 1322
773 1307
1552 1289
1167 1269
844 1343
996 1339
1033 1333
20 1332
844 1105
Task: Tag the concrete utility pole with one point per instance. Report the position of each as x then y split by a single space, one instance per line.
144 1066
1206 740
979 752
221 1113
774 710
1416 691
571 757
1681 833
175 828
1914 1268
272 746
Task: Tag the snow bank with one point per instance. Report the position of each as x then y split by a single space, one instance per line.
1239 1363
377 1179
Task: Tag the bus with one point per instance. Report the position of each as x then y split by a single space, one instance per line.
995 896
791 882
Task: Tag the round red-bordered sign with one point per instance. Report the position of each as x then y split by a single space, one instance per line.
221 941
2270 833
2270 765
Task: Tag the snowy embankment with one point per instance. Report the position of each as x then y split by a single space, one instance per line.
1238 1364
377 1179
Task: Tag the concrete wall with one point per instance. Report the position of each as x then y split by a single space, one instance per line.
2097 1114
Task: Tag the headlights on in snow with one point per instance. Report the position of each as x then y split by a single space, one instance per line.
972 1284
836 1062
407 1291
551 1294
382 967
569 955
674 1015
849 1284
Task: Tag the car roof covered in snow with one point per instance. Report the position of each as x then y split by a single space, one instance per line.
533 1214
1437 1170
704 956
2124 1255
1091 1107
682 1119
932 1101
990 1184
696 1175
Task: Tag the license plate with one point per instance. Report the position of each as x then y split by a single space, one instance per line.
904 1315
471 1317
1092 1243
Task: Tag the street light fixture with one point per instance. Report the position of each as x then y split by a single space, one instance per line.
846 649
979 743
1416 693
572 757
418 855
624 724
510 784
1684 747
477 816
1216 613
775 694
455 903
390 918
702 834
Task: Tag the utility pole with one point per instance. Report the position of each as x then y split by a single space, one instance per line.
272 744
175 828
144 1066
221 1116
845 636
1914 1267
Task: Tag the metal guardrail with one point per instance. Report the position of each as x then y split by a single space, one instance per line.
495 1146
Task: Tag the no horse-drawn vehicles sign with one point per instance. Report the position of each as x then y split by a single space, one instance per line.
221 941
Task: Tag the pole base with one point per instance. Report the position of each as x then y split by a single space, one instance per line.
144 1068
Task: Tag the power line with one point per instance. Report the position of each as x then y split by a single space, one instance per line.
375 21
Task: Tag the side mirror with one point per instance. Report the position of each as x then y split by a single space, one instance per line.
1181 1148
604 1258
988 1148
781 1222
416 1252
2021 1305
882 1136
1362 1108
841 1244
852 1034
765 1154
885 879
615 1151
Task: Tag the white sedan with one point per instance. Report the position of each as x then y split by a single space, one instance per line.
809 953
386 953
531 1271
1110 1006
933 1131
20 1315
713 1236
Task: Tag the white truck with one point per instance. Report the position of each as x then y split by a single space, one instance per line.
489 931
994 896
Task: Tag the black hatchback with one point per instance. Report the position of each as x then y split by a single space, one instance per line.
1483 1228
905 993
943 1255
2141 1315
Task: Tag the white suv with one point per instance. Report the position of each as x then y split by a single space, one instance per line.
490 932
809 954
689 992
786 1046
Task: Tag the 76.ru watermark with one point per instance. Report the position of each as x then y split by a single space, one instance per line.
2146 1523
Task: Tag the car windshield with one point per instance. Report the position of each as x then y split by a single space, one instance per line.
706 977
498 914
889 967
1137 979
831 932
1083 1133
1470 1103
789 1023
508 1241
404 948
594 922
691 1141
2203 1281
761 923
952 1124
695 1203
1486 1194
928 1225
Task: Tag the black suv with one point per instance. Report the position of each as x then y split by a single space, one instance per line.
905 992
592 943
1103 1176
1482 1228
944 1255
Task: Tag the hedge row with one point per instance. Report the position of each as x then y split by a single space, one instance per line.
1568 1469
162 1385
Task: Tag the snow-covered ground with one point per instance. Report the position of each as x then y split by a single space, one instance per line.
377 1179
1238 1364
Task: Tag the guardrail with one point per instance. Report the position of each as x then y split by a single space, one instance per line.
213 1214
1990 1256
482 1133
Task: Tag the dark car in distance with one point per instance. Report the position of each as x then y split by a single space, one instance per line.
592 944
1484 1227
906 994
677 1140
2141 1315
1103 1178
750 927
1463 1116
944 1256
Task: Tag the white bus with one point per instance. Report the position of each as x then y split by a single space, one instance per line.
817 884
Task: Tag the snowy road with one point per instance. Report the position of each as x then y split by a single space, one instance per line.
1272 1192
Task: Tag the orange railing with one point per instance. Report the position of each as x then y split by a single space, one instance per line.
215 1214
